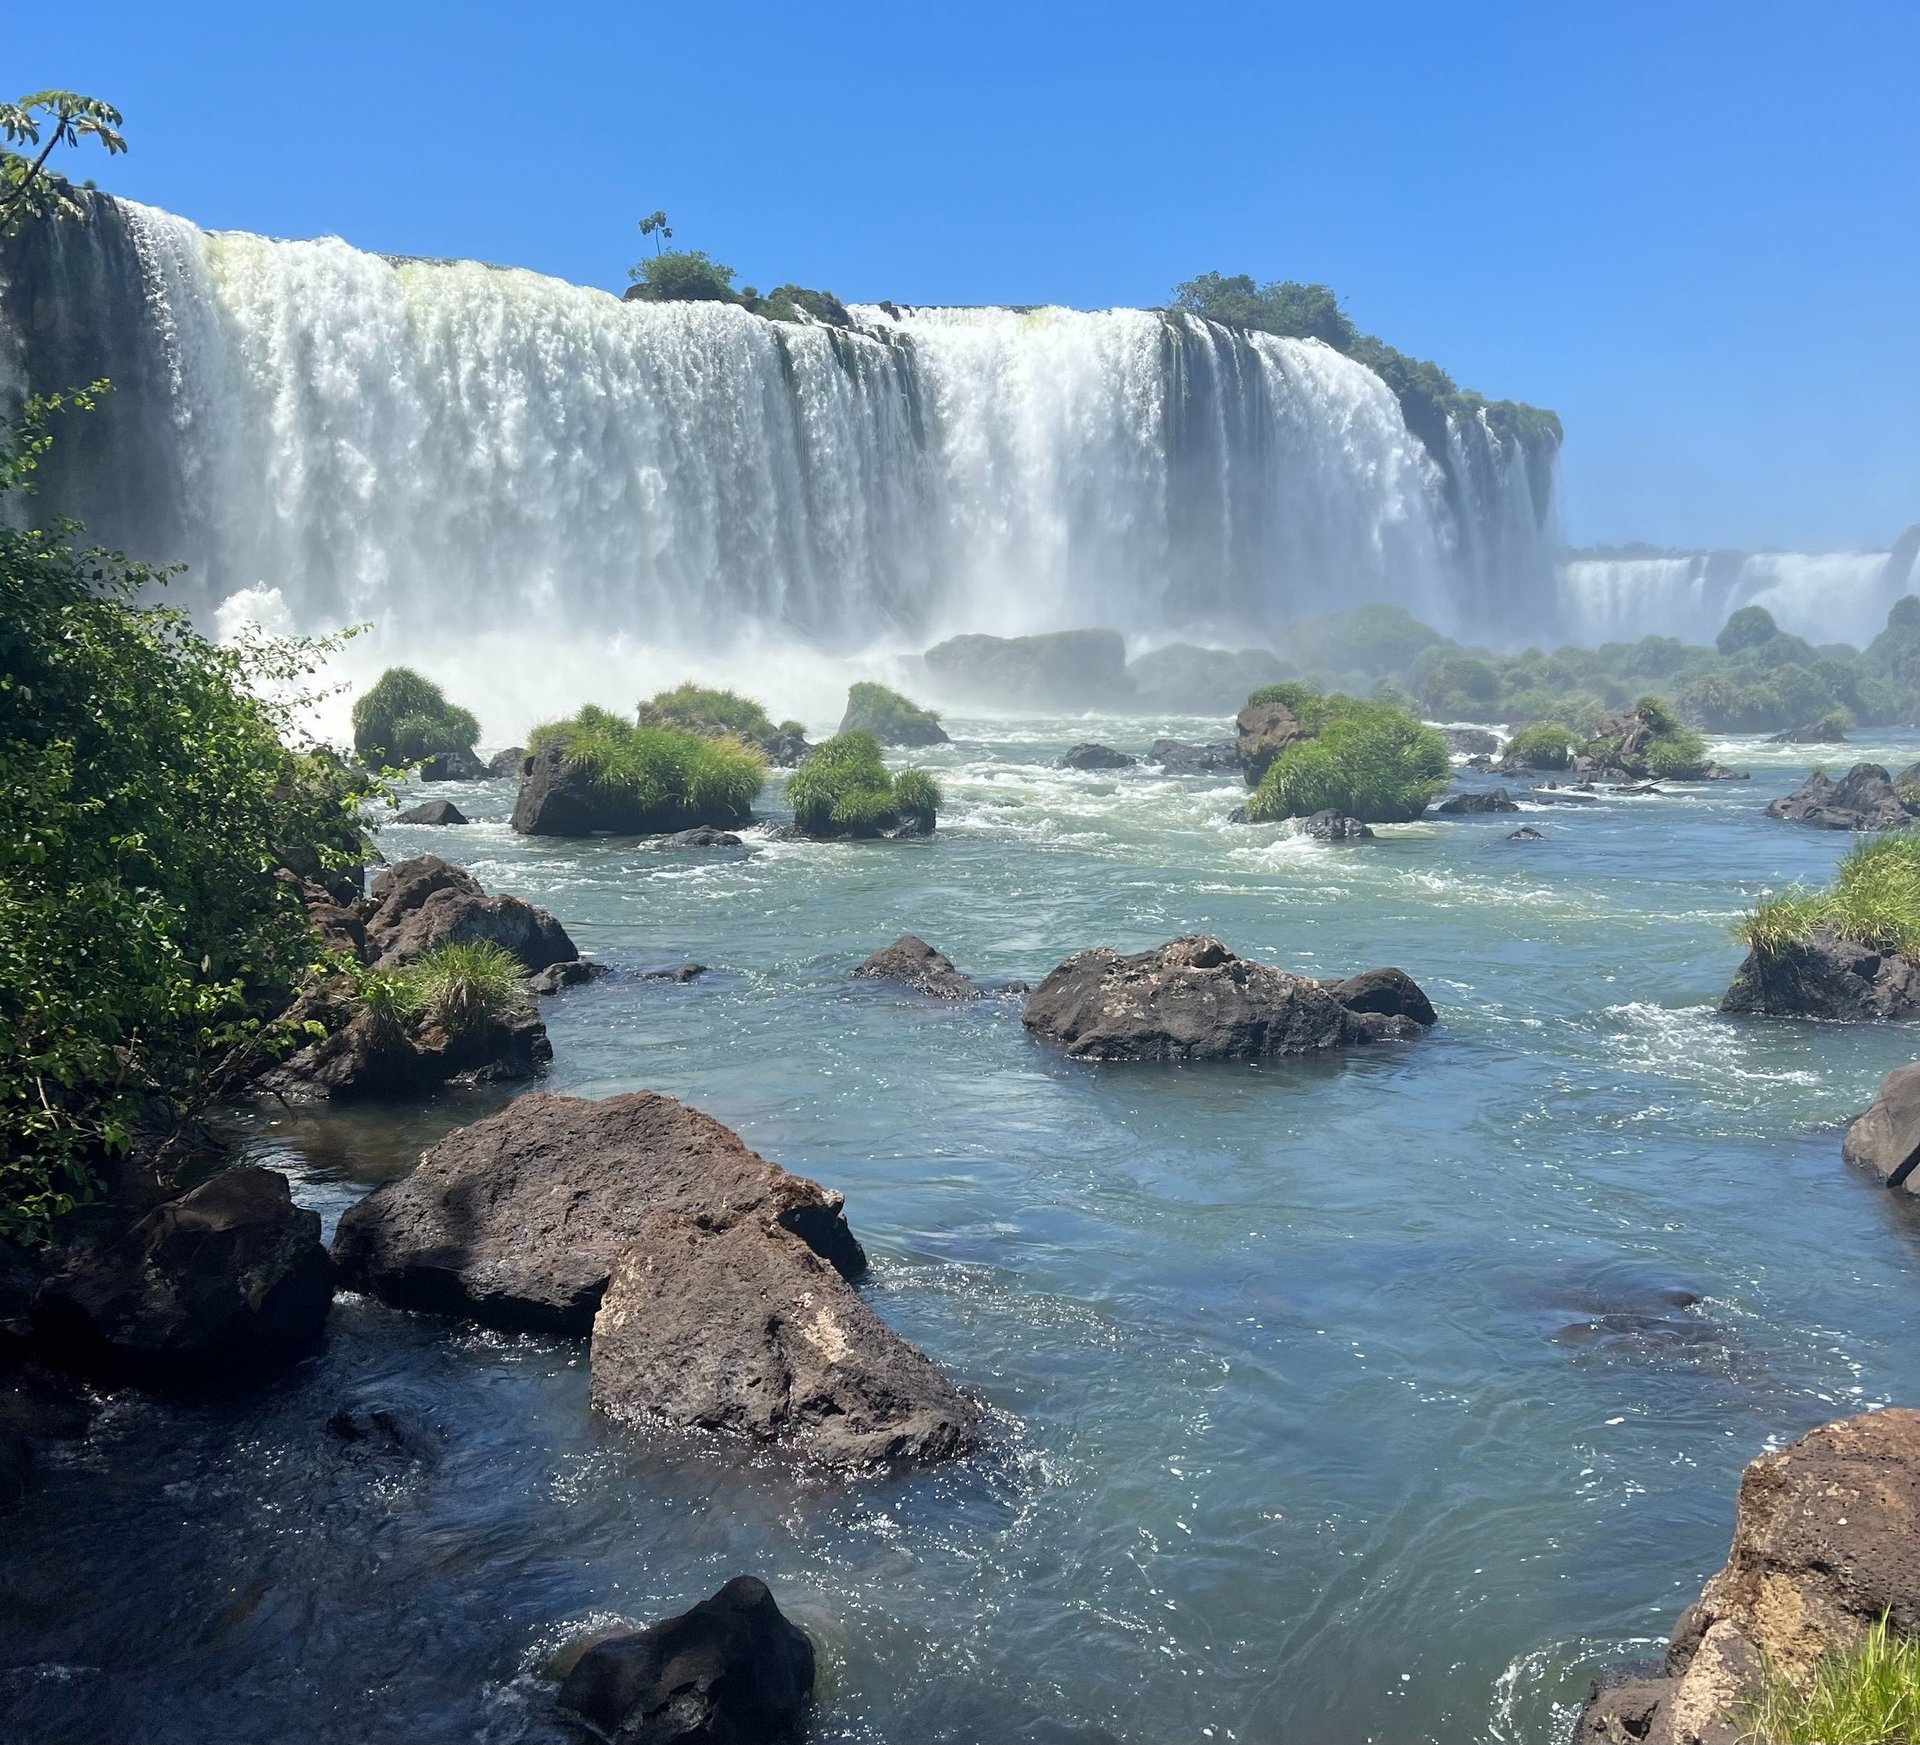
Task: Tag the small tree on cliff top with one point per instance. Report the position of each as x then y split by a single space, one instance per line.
44 120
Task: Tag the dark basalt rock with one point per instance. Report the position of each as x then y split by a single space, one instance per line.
1824 1547
1813 733
729 1671
458 765
1637 790
1238 816
722 1320
517 1220
786 750
1333 827
1718 772
576 972
220 1284
1261 732
1526 833
1193 999
418 904
555 800
1886 1139
431 812
681 973
1178 758
1824 976
506 765
1089 756
366 1058
1390 993
700 836
1863 799
1496 800
912 962
1471 741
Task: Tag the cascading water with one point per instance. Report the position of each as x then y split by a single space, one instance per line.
462 450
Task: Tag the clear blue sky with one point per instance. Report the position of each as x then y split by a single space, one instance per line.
1693 229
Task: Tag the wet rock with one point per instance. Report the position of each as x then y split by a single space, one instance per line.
1886 1139
1471 741
370 1057
1389 993
431 812
1089 756
1822 732
1718 772
681 973
418 904
505 765
1624 1706
1636 790
1526 833
1179 758
1823 1547
574 973
700 836
725 1321
1193 999
518 1220
912 962
729 1671
1238 816
1261 732
221 1283
1825 976
1333 827
458 765
16 1465
378 1432
1863 799
556 800
1495 800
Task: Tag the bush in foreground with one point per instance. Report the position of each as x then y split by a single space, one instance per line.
1874 901
1868 1694
660 778
1369 761
844 789
405 718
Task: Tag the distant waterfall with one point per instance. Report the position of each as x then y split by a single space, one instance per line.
449 447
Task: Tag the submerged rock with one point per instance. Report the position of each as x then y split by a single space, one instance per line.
518 1220
1495 800
418 904
700 836
1825 976
1176 757
1824 1545
1886 1139
1863 799
574 973
1526 833
1333 827
219 1284
681 973
912 962
724 1321
1193 999
1089 756
1261 732
729 1671
431 812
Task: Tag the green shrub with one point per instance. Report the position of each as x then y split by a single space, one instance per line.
460 987
1376 764
1747 628
1678 756
1547 745
682 276
1874 901
843 789
664 779
406 719
889 717
698 709
1866 1694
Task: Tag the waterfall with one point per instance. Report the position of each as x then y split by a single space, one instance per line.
446 448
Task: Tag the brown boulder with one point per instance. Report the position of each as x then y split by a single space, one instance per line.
518 1220
912 962
1261 732
1886 1139
726 1322
417 904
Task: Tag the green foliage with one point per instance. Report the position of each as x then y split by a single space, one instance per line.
1864 1694
1286 307
1677 756
1372 762
460 987
843 789
1874 900
1462 685
665 778
698 709
41 122
683 276
1546 745
1306 703
149 796
888 717
792 302
1747 628
406 719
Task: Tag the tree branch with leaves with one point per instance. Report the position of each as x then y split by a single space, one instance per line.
42 122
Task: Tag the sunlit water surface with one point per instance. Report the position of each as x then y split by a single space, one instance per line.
1309 1423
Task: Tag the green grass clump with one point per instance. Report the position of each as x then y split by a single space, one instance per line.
699 709
1677 755
889 717
405 718
1546 745
1874 901
1868 1694
843 789
1308 705
461 987
661 777
1371 762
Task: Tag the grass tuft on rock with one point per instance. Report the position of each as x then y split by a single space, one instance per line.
844 789
1368 761
889 717
1874 901
405 718
668 778
1545 745
711 713
461 987
1867 1694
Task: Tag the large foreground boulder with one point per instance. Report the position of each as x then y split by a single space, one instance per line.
1826 1542
1886 1139
726 1322
912 962
219 1284
1261 732
1865 798
418 904
1193 999
518 1220
1824 976
729 1671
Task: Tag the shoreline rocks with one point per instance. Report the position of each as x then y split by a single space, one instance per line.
1824 976
368 1056
1865 798
913 963
1192 999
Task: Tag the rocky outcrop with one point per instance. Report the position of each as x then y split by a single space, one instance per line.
1071 667
700 836
505 765
1718 772
1178 758
1333 827
723 1321
417 904
457 765
912 962
1886 1139
431 812
218 1284
1865 798
557 800
786 747
1261 732
729 1671
1089 756
1193 999
1473 804
518 1220
1825 976
1826 1542
1385 993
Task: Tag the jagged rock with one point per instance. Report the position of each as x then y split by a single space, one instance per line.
1636 790
517 1220
1089 756
729 1671
1825 976
911 961
505 765
418 904
1471 741
571 974
1824 1545
1238 816
339 924
431 812
1178 758
1333 827
1886 1139
1496 800
1072 667
724 1321
786 749
700 836
457 765
221 1283
1262 732
1193 999
1526 833
367 1057
1863 799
